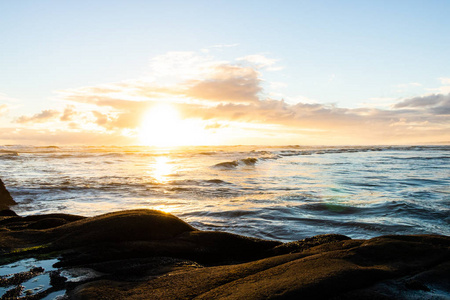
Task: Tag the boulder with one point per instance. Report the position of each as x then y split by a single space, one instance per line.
117 227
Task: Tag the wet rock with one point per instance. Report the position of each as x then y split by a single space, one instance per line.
38 221
13 293
5 197
216 246
146 254
21 277
131 225
307 243
416 285
341 272
47 223
7 213
56 280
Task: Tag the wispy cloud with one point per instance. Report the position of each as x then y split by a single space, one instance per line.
3 109
41 117
260 61
225 45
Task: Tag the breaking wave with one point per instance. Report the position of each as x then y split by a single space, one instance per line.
5 154
249 161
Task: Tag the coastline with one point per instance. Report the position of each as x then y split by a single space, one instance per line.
143 254
150 254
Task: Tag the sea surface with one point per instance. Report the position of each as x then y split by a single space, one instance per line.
283 193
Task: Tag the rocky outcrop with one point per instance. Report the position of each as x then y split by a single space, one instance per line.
147 254
5 197
340 270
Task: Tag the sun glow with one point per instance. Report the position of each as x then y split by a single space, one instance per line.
162 169
162 127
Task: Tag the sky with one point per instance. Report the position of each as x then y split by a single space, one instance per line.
168 73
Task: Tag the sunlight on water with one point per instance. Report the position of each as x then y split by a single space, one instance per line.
165 208
161 169
283 193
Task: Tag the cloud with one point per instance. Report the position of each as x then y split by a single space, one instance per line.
258 60
57 137
3 109
68 114
234 94
181 65
225 46
215 125
7 105
408 87
445 81
228 83
102 119
229 96
444 88
41 117
225 82
436 104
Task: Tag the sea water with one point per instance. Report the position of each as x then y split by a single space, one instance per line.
283 193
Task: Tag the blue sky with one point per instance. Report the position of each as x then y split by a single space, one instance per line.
351 54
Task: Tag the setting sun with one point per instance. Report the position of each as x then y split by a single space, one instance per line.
162 126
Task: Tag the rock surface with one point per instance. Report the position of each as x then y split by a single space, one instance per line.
147 254
5 197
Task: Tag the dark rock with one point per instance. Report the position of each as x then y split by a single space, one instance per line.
5 197
47 223
433 283
7 213
13 293
214 246
131 225
416 285
56 280
38 221
342 272
307 243
147 254
21 277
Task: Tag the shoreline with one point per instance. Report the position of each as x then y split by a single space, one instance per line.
151 254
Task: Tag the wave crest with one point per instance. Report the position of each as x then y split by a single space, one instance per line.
249 161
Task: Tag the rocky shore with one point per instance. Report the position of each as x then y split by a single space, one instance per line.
148 254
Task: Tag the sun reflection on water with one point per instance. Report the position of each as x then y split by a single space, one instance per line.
161 169
165 208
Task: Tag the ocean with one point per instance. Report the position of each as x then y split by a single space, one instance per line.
282 193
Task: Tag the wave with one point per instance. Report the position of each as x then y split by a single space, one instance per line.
331 208
227 164
249 161
217 181
208 153
421 158
295 151
322 151
114 154
5 154
261 152
48 147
